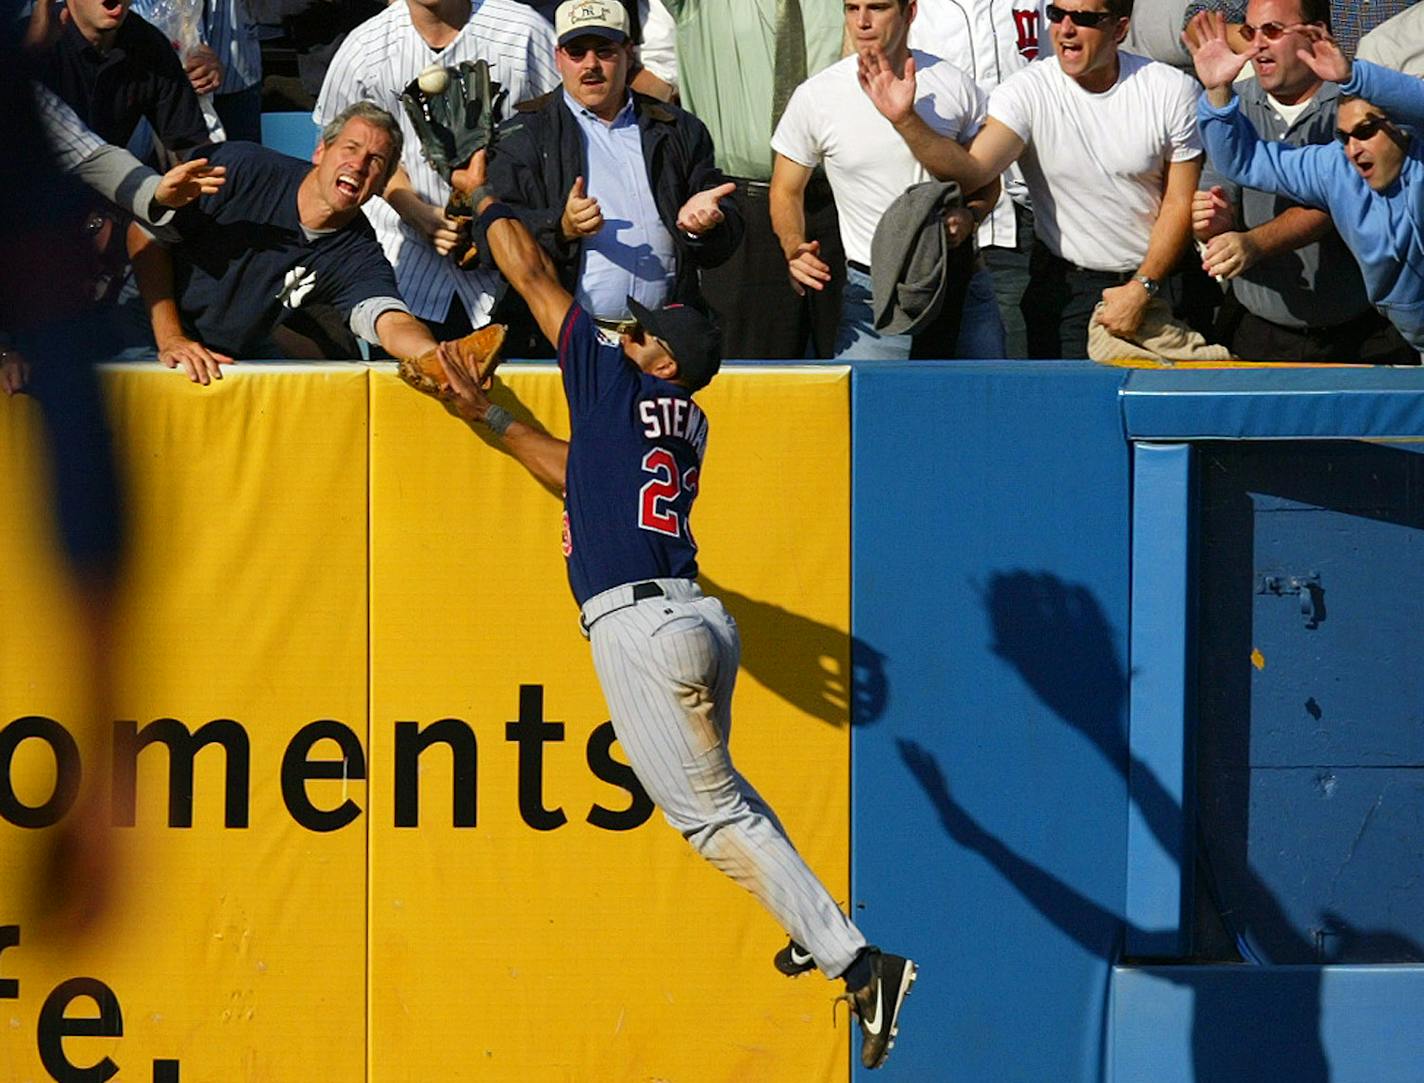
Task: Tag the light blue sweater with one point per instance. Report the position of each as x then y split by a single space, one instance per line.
1385 229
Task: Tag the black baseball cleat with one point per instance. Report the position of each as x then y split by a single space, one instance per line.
877 1005
794 960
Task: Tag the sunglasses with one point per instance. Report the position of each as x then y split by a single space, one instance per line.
1366 129
1269 31
576 51
1083 20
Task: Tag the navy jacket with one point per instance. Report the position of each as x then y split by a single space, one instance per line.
540 153
140 77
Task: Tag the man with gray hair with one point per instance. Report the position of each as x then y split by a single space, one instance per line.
280 234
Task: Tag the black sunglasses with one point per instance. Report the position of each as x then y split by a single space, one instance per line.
577 50
1084 20
1366 129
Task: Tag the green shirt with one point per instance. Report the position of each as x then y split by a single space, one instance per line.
726 52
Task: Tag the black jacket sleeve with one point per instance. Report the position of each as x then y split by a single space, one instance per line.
173 109
518 177
716 245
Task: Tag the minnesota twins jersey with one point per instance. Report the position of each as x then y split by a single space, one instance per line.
635 456
375 63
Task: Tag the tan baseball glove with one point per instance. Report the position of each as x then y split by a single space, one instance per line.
477 353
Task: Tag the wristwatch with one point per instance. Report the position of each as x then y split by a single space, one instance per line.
1151 285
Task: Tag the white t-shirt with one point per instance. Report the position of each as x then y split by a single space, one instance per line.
1096 164
659 49
830 119
988 40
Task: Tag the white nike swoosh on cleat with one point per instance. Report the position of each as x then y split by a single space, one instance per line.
800 958
873 1023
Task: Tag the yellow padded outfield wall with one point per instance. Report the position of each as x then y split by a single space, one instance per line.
436 866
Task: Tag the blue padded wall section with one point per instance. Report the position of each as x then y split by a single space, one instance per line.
1160 770
1245 1024
989 758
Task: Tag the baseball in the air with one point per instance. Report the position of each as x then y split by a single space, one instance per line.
434 79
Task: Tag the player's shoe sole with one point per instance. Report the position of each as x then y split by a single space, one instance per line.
794 960
877 1005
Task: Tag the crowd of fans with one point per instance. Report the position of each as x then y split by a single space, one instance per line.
1184 180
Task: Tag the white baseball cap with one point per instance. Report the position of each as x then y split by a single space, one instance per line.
596 18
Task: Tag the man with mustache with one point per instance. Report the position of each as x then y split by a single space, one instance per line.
1373 187
620 189
278 235
1294 291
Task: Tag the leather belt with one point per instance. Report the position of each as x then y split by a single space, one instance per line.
856 265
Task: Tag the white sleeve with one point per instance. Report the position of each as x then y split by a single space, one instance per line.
539 64
1182 128
1011 104
659 49
951 103
795 136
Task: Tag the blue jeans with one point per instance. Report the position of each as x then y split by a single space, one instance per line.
981 329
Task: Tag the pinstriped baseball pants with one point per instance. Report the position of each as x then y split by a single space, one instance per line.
667 667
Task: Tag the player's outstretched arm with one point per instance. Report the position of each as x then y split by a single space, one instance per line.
544 456
519 257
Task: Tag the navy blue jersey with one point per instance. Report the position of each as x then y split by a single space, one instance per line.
635 455
244 263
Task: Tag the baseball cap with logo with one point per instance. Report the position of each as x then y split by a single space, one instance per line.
595 18
694 341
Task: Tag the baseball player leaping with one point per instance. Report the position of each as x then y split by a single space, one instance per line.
666 654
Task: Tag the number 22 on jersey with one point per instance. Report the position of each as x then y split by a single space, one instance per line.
659 495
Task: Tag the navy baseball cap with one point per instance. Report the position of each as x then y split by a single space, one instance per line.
591 18
694 341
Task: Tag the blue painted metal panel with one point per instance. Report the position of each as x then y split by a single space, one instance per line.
1232 1024
990 557
1312 752
291 133
1274 403
1159 853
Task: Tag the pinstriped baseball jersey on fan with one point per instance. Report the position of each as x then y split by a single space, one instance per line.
228 32
68 136
375 63
233 36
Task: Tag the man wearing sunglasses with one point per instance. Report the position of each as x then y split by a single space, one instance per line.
1373 185
622 190
1294 291
1108 145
